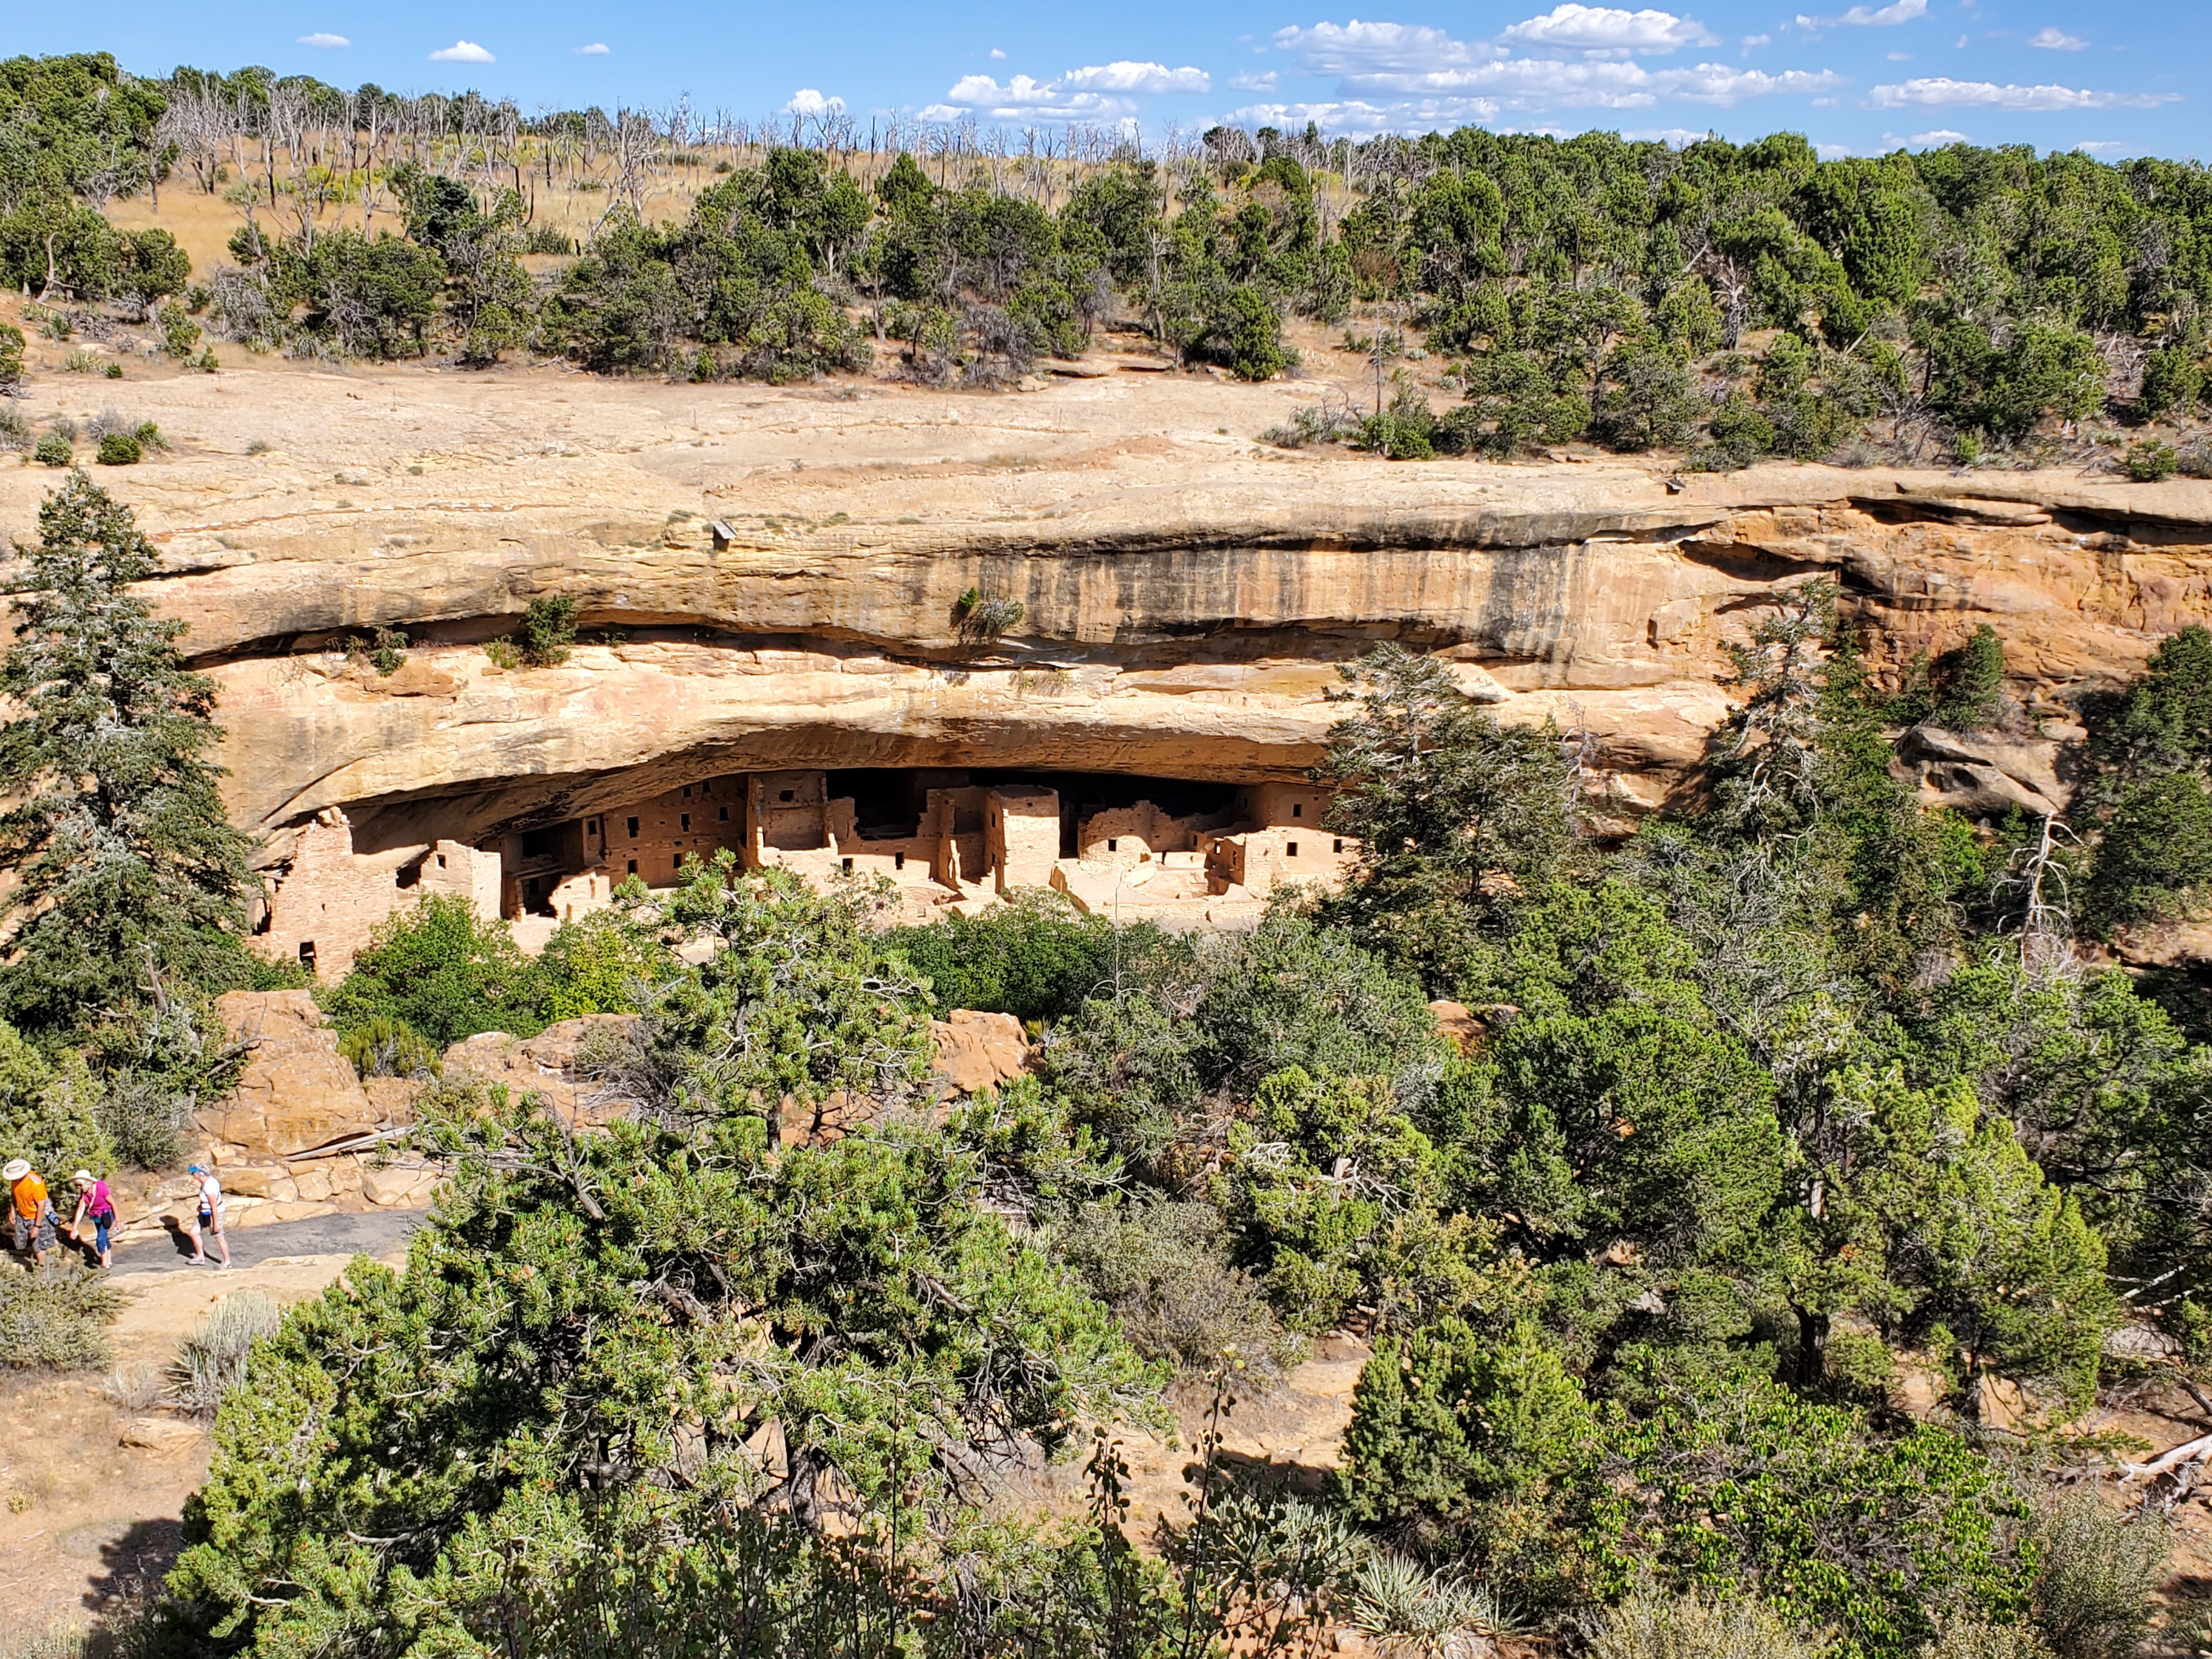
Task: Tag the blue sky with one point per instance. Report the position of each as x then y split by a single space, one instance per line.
1856 78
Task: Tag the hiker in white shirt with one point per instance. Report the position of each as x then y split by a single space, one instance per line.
209 1215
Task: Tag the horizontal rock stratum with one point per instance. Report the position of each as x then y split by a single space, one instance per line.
1187 593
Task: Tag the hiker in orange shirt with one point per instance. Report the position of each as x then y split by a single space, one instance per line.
33 1211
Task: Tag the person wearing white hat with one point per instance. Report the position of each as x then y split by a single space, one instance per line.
96 1203
210 1216
31 1209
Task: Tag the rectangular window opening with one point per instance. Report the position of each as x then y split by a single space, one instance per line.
633 866
1298 809
1113 845
1291 850
687 820
1338 847
847 863
308 954
633 828
898 860
788 794
725 815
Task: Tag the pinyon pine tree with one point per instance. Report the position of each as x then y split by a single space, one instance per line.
123 854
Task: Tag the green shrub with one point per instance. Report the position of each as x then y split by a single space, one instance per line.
211 1362
53 450
1976 1638
1250 332
48 1113
15 430
180 335
2172 379
549 630
389 651
596 964
120 449
1037 958
442 970
114 371
11 357
83 361
2155 855
383 1047
2148 461
55 1318
2099 1571
977 619
1739 431
1403 1607
1972 682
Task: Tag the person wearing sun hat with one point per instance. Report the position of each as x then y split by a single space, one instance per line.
209 1215
95 1202
33 1211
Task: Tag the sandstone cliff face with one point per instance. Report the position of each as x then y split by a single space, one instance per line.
1186 596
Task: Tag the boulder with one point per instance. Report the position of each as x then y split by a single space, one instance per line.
296 1092
164 1437
1460 1026
1986 773
979 1051
545 1063
396 1189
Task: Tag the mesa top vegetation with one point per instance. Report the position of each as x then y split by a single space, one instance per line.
1730 299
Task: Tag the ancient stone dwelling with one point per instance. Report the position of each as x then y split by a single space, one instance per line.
1198 854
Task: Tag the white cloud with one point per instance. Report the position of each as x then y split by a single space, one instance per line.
596 49
997 57
1679 137
2055 39
1363 49
1412 60
1258 82
1358 115
1942 92
1832 152
1751 40
321 39
462 51
807 101
1607 32
2105 148
1094 92
1869 17
1898 57
1127 76
1940 136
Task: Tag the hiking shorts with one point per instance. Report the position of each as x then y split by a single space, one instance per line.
40 1226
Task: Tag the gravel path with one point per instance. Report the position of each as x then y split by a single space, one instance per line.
377 1232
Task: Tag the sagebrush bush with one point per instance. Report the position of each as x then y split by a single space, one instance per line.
2092 1595
53 450
1650 1625
56 1318
1163 1269
120 449
212 1360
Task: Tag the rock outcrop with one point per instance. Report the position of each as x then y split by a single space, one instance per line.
978 1051
296 1093
773 580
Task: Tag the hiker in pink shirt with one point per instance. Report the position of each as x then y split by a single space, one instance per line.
92 1200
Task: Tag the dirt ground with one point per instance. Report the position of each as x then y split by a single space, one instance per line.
86 1514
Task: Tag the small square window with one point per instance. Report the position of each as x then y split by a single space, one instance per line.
1113 846
441 860
847 863
633 828
1298 809
1291 850
687 792
788 794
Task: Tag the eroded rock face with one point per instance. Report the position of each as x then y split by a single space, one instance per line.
978 1051
545 1063
1186 596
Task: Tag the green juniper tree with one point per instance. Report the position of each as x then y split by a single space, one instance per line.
126 864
